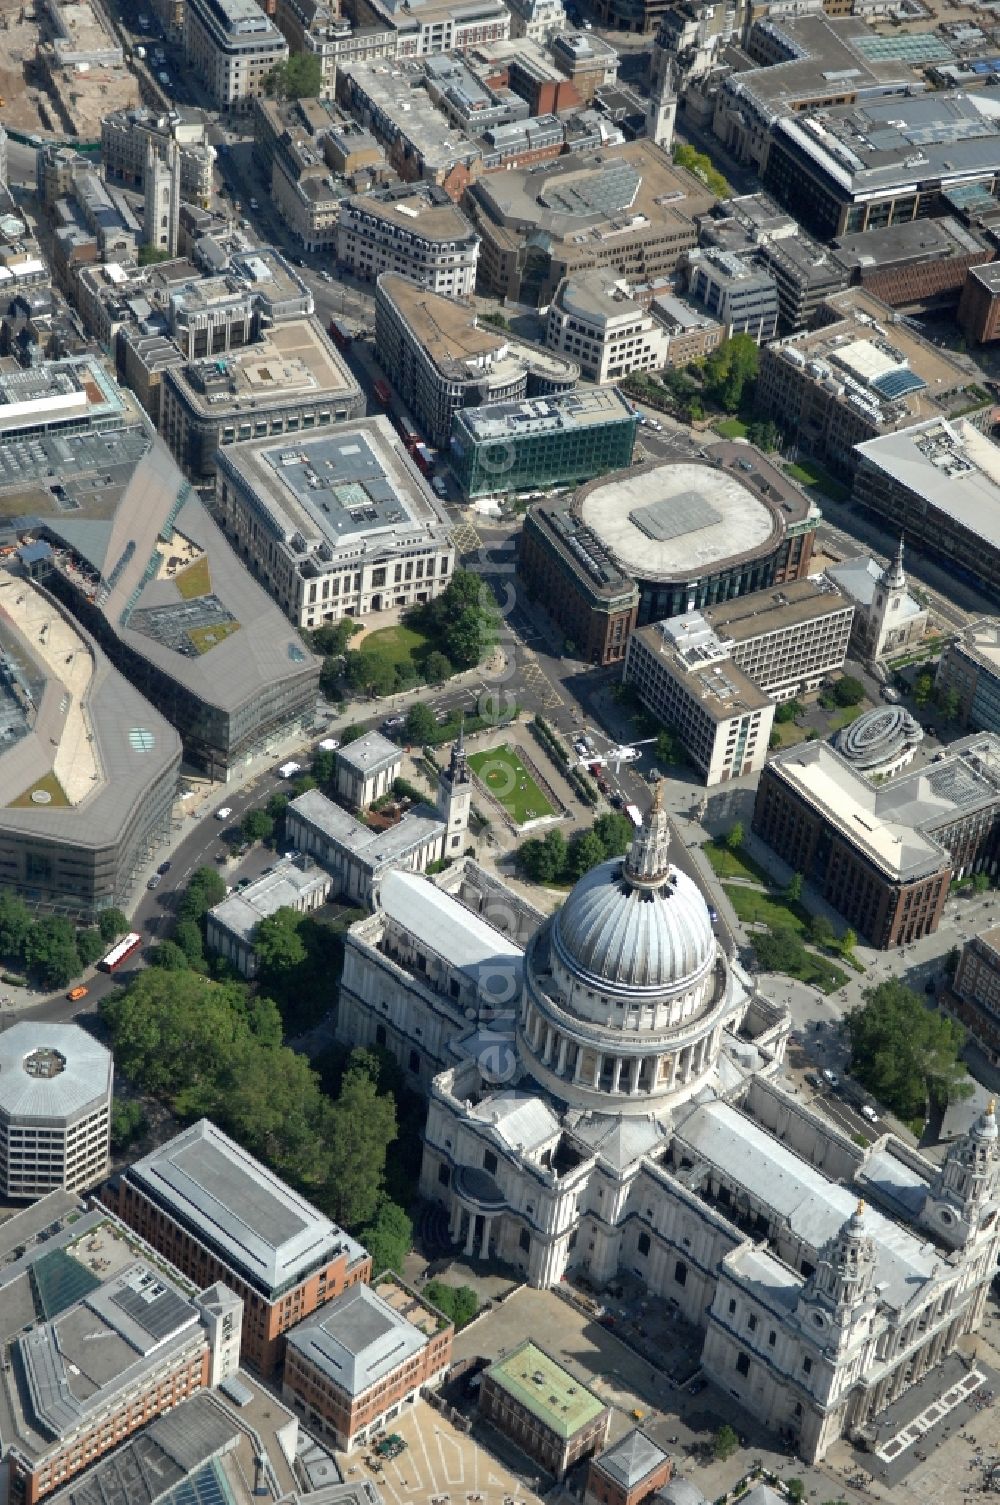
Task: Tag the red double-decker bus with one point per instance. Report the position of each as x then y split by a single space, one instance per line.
383 391
120 951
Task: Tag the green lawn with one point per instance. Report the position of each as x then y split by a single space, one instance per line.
790 732
47 784
507 779
730 428
729 864
810 473
820 972
398 645
770 909
195 579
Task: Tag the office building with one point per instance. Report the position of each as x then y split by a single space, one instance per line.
970 668
888 618
532 1399
624 208
335 524
918 264
232 45
755 227
938 483
55 1110
691 332
787 640
859 375
427 27
629 1472
442 359
974 995
125 135
543 441
979 305
854 169
593 320
658 1099
686 533
289 381
743 298
101 1338
294 883
588 61
219 1215
537 20
129 549
416 232
351 1369
391 100
682 671
883 855
319 29
88 770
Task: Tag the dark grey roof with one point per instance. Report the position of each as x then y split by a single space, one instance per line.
631 1459
357 1340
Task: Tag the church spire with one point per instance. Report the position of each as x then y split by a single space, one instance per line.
649 856
895 577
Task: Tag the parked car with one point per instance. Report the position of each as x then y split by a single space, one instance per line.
812 1080
224 812
164 867
891 695
155 881
391 723
830 1077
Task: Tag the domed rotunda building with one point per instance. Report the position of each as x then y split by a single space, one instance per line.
606 1097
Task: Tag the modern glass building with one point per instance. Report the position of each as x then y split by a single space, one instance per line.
541 442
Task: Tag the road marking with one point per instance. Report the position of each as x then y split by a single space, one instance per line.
466 539
536 680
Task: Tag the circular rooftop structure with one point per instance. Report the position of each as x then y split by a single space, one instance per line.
680 519
55 1105
880 742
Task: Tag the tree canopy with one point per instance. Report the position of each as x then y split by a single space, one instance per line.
729 369
904 1052
553 859
700 163
389 1239
297 77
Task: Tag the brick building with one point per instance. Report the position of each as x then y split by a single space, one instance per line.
975 992
979 305
350 1370
883 855
219 1215
543 1408
565 567
628 1472
914 264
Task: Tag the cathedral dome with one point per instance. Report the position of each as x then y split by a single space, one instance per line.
636 923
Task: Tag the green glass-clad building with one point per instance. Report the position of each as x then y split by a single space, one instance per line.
543 441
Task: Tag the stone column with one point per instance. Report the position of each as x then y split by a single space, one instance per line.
550 1038
487 1228
561 1055
633 1081
616 1074
471 1238
578 1068
455 1224
598 1062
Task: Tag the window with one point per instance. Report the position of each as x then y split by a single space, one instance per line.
444 1174
643 1243
742 1364
525 1240
752 1323
490 1162
414 1060
380 1034
807 1365
681 1273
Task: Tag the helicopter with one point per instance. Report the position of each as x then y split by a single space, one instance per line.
615 755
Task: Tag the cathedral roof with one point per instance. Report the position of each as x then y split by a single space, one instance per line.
637 923
522 1122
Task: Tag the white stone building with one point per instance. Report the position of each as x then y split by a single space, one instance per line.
55 1109
537 20
414 230
613 1105
594 321
233 46
888 618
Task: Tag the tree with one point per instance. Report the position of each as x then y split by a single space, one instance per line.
735 836
586 850
848 941
332 638
277 941
329 677
437 668
669 747
128 1122
787 711
730 368
257 826
821 932
923 689
297 77
796 1490
700 164
352 733
205 889
774 739
460 1303
793 889
169 956
463 619
905 1053
89 946
979 883
724 1443
496 318
421 724
543 859
187 936
389 1239
949 703
111 923
50 951
615 833
360 1126
778 950
848 691
15 926
276 807
151 255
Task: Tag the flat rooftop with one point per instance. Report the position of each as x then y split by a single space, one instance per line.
786 606
952 467
51 1071
677 519
234 1205
295 359
894 823
462 938
417 209
563 413
403 107
241 912
362 1338
542 1386
911 241
338 491
981 641
699 660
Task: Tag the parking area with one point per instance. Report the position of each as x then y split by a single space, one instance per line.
441 1464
